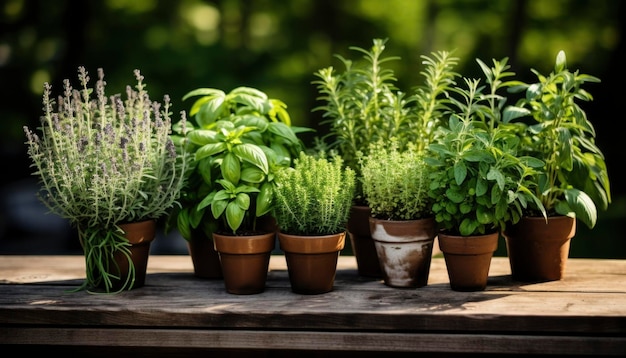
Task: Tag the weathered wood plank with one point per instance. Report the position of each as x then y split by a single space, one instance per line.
338 341
582 314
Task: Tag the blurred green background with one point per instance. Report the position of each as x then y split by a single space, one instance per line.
276 46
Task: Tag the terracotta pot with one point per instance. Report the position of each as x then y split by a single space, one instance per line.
538 250
140 235
206 261
245 261
404 250
468 259
122 275
311 261
362 243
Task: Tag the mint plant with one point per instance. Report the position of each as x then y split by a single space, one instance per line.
574 180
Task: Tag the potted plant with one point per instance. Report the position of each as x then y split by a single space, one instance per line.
196 225
572 184
108 165
240 140
395 186
313 201
480 182
362 105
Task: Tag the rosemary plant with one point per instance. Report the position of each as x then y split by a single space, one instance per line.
314 197
105 161
431 97
362 104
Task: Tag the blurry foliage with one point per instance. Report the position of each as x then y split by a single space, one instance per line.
277 45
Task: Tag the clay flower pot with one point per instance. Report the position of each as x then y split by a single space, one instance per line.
468 259
311 261
404 250
206 261
245 261
538 250
127 272
362 243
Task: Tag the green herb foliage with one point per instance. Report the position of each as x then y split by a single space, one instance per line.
314 197
431 98
362 104
105 161
479 181
574 180
240 139
396 183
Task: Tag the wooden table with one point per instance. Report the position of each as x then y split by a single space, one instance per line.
176 314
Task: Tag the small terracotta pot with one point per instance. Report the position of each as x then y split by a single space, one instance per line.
404 250
362 243
245 261
206 261
538 250
140 235
311 261
468 259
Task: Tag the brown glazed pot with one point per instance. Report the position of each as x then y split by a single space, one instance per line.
404 250
140 235
245 261
311 261
538 250
362 243
206 261
468 259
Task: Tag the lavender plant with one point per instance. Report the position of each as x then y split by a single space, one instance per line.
105 161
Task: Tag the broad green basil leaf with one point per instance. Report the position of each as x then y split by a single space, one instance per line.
234 216
253 155
231 168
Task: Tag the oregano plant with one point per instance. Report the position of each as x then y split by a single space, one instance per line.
479 182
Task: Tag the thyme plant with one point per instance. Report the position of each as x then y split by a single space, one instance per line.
314 197
396 183
104 161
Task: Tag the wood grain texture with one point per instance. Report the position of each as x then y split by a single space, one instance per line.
585 313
